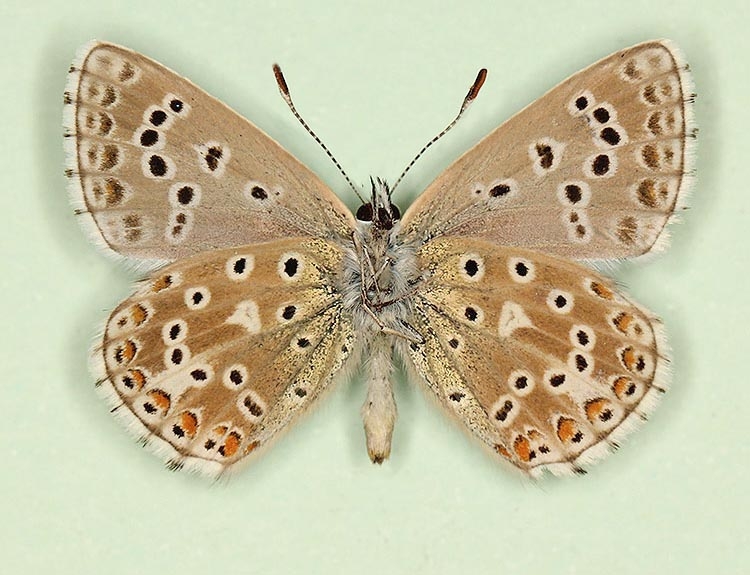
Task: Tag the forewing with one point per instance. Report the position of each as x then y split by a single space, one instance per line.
160 170
213 356
542 359
594 169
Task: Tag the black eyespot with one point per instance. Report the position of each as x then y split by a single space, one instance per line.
521 382
299 392
557 380
610 135
573 193
185 195
258 193
499 190
303 342
583 337
560 302
582 102
235 377
199 375
149 137
174 331
601 115
600 165
471 267
239 265
176 105
176 356
581 363
471 314
197 298
453 343
290 267
158 117
157 166
289 312
522 269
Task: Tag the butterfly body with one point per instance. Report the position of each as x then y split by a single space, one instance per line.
265 289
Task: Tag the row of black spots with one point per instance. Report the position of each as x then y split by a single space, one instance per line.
174 332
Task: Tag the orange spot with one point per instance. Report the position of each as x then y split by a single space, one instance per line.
566 429
252 447
594 408
631 360
138 378
601 290
623 386
139 314
162 283
126 352
622 321
160 399
231 444
522 447
189 423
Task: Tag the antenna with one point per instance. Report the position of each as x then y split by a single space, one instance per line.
473 93
284 89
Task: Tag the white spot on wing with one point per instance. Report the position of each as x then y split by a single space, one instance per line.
512 317
246 314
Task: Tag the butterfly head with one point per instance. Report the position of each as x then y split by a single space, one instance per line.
379 211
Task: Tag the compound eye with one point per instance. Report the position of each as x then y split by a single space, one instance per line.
395 212
365 212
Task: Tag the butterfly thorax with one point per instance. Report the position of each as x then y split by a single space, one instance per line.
381 271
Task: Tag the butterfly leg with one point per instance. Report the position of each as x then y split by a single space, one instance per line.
379 410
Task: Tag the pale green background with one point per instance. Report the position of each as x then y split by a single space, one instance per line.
376 79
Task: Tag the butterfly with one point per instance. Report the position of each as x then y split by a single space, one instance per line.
264 289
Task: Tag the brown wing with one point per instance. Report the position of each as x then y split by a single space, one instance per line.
594 169
160 170
213 356
541 359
